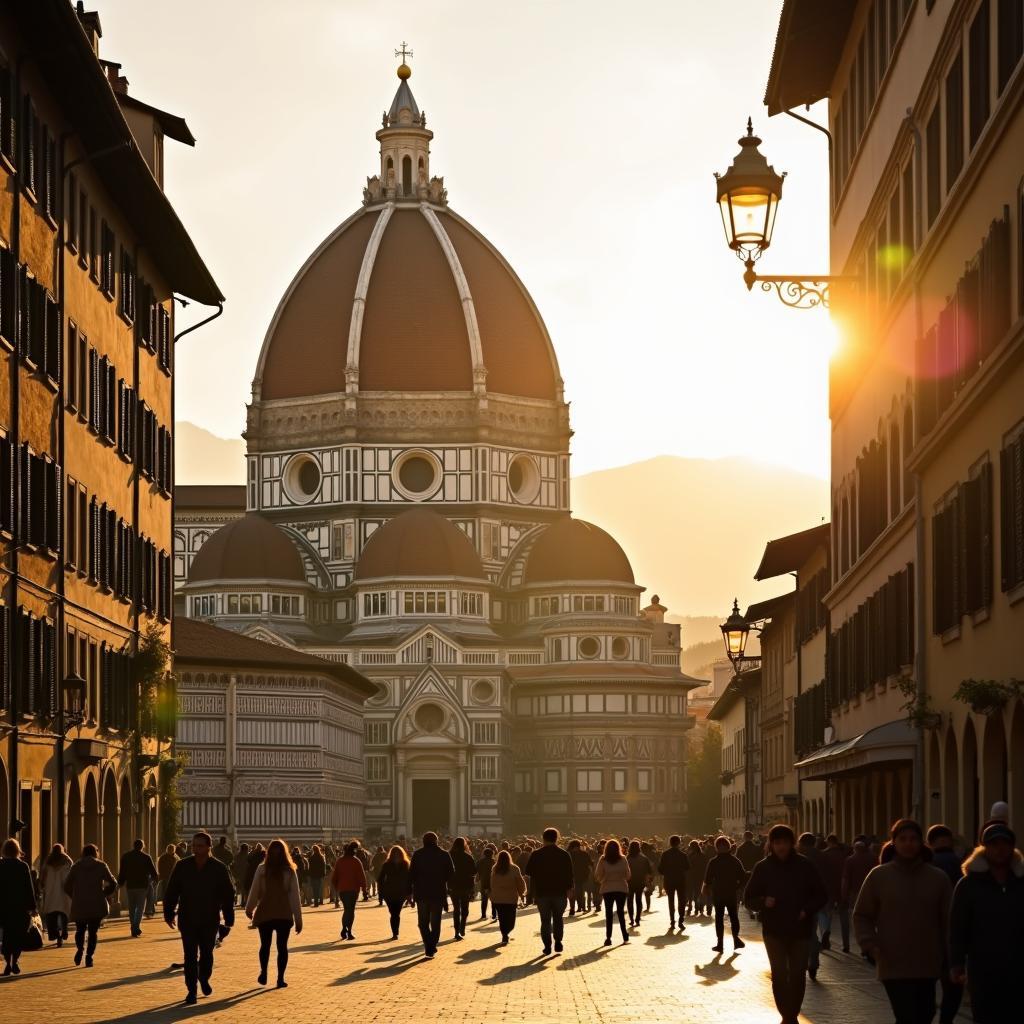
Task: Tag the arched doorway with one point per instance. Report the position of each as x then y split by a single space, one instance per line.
951 783
407 175
91 812
995 769
1016 794
126 816
969 784
110 852
73 818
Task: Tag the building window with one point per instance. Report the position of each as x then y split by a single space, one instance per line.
106 267
954 121
471 604
377 733
553 780
485 767
523 782
375 604
378 768
1010 39
589 780
979 71
425 602
589 647
643 780
932 175
485 732
1011 512
619 780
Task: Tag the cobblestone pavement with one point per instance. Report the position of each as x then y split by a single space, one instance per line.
659 977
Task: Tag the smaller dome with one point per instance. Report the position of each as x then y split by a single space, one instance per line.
250 548
419 543
572 549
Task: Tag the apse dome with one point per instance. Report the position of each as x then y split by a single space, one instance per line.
419 543
573 550
250 548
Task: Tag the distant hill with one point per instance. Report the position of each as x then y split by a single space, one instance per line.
203 458
694 529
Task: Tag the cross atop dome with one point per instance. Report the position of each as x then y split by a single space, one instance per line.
404 150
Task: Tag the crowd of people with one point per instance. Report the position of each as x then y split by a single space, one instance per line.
924 916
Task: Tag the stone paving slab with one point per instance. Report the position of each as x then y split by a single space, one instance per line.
659 977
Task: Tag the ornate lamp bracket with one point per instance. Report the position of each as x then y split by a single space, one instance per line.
795 290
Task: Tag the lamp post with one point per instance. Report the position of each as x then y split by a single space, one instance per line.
70 715
735 631
748 196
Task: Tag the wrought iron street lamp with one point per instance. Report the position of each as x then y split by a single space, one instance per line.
70 715
735 631
748 197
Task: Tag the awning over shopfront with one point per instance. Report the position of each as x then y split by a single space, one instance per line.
894 741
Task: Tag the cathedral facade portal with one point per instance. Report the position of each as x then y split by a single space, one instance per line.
407 512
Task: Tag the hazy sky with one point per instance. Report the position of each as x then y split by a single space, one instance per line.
580 136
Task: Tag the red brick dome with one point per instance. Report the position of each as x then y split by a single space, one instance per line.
419 543
571 550
250 548
415 299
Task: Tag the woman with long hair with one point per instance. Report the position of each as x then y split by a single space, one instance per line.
507 887
394 884
56 904
17 904
348 879
273 905
639 872
612 873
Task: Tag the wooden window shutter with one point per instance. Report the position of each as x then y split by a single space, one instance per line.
985 534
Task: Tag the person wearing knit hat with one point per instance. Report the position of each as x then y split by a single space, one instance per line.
1000 812
987 926
900 921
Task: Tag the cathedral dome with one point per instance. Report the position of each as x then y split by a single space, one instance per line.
419 543
406 296
250 548
572 549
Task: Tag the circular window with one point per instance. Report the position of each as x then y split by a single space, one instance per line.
523 479
589 647
429 717
416 474
483 691
302 479
620 647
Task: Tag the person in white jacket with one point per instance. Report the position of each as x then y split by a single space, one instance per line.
274 905
56 902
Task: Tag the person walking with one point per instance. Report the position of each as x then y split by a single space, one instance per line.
550 869
674 867
223 852
723 881
786 892
430 872
89 883
136 872
640 871
901 920
317 873
582 870
164 866
254 860
830 863
612 874
484 868
987 927
855 870
507 888
394 884
460 887
56 904
348 879
17 904
698 859
199 894
939 840
274 905
376 863
807 846
748 853
239 866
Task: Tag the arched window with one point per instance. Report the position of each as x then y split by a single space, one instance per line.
407 175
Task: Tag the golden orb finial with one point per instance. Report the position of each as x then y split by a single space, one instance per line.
404 71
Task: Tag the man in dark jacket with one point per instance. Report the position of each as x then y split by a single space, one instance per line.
674 866
830 864
429 873
199 893
748 853
723 879
987 927
136 872
807 846
550 869
786 892
461 884
484 867
223 852
581 878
